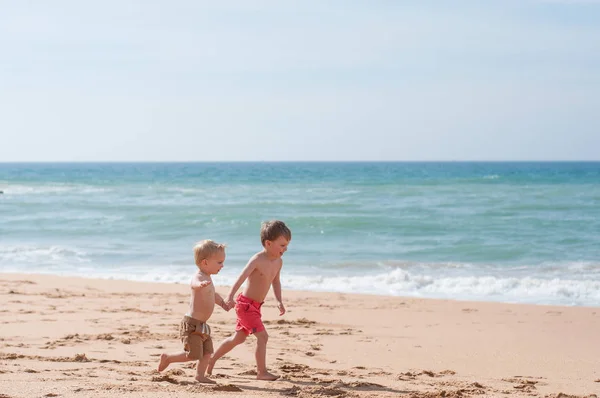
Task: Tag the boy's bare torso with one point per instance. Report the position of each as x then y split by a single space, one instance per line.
259 281
202 299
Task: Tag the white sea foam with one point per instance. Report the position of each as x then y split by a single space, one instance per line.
399 282
22 257
575 283
11 189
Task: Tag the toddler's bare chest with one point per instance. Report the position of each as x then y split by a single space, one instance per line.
204 294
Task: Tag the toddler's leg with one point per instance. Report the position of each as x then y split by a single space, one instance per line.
227 345
261 357
167 359
201 369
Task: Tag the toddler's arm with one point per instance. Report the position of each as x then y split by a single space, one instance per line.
221 302
198 283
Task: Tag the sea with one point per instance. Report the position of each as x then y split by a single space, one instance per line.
515 232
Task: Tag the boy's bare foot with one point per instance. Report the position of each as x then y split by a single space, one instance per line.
163 364
204 379
210 367
266 376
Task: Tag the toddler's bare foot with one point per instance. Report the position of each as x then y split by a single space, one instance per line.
164 363
204 379
266 376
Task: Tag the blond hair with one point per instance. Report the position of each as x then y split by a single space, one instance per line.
271 230
206 249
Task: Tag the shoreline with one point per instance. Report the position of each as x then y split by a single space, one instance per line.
353 345
308 291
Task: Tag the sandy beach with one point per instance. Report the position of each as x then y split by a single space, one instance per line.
74 337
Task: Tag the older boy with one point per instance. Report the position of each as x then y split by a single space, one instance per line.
262 271
194 331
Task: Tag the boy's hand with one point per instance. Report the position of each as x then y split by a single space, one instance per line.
223 304
281 308
229 303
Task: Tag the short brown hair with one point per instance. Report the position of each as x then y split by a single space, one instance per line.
271 230
206 249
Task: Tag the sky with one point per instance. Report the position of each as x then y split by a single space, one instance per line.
189 80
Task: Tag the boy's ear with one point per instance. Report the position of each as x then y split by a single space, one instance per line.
204 261
268 243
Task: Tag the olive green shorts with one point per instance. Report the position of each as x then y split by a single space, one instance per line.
195 336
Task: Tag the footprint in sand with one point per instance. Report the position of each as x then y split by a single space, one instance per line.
379 373
226 387
220 376
326 332
522 383
175 372
359 385
293 368
164 377
413 375
249 372
323 392
447 372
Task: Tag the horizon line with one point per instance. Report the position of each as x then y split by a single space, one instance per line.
300 161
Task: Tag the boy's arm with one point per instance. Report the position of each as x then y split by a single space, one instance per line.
277 292
248 269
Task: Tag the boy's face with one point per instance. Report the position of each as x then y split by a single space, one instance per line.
277 247
214 263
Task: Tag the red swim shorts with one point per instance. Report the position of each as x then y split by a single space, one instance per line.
248 315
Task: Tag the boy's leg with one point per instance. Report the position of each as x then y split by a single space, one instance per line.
227 345
261 357
167 359
201 369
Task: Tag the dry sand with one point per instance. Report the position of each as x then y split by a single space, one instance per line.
72 337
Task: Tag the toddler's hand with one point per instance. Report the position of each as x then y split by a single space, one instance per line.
204 283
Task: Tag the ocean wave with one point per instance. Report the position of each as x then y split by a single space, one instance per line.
10 189
399 282
577 269
26 255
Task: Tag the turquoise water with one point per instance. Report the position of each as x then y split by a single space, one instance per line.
512 232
